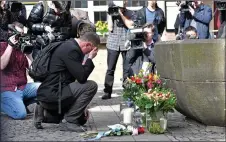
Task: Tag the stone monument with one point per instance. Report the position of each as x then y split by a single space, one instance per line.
195 69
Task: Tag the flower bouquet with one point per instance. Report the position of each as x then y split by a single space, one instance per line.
137 85
158 102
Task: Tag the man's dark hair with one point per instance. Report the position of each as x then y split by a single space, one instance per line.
148 25
91 37
190 28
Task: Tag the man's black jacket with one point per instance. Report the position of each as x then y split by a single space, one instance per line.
161 21
67 61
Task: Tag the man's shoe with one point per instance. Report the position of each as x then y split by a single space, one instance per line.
38 116
66 126
106 96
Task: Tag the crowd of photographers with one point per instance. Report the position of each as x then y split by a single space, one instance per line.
131 34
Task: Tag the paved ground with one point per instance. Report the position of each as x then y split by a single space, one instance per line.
107 113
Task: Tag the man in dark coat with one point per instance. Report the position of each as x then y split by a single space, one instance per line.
66 67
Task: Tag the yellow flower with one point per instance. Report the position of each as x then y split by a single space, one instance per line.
156 77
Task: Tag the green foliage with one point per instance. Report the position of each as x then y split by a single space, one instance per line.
101 27
156 128
132 91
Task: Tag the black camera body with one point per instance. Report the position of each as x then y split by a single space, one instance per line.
221 5
136 35
24 41
185 6
114 10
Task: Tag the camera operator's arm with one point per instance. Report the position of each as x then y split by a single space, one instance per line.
127 18
205 17
29 58
110 23
6 54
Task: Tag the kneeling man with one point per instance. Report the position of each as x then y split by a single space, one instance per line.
66 66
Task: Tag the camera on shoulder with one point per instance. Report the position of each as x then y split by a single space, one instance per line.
136 35
114 10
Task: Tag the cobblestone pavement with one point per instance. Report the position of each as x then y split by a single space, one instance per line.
104 113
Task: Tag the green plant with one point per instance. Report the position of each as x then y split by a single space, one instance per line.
155 127
101 27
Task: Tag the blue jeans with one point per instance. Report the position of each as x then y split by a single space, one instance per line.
13 103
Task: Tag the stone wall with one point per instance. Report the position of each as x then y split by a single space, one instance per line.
196 70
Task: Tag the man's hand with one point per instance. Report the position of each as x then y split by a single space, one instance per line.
192 11
93 53
13 40
120 11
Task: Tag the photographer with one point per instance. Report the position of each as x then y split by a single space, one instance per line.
149 54
190 33
16 93
198 16
10 11
118 26
54 25
150 14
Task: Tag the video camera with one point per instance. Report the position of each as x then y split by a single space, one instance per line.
113 10
220 5
185 6
136 35
24 41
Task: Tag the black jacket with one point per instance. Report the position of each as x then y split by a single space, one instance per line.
5 19
161 22
38 19
67 61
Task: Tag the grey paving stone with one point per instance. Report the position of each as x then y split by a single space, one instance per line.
172 138
151 137
118 138
178 126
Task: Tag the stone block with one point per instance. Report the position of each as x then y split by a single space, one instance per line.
195 69
204 102
191 60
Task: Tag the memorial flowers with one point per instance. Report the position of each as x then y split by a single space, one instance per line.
138 84
149 93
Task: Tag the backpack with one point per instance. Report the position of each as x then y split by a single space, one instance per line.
39 68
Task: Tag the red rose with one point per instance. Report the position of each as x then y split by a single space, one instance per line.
138 81
140 130
133 78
